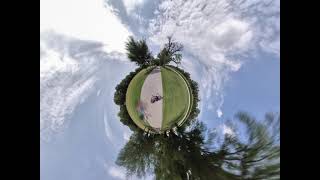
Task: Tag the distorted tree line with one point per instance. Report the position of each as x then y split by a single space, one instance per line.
120 98
139 53
196 153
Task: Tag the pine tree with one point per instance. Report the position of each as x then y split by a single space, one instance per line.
189 155
138 52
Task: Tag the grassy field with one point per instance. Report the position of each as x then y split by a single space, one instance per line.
182 120
176 100
133 96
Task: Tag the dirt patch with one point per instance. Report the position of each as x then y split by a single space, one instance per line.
152 87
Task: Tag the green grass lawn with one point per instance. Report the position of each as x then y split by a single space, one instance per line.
133 96
177 98
176 101
182 120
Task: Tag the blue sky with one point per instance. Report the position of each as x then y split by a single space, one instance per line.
255 87
231 49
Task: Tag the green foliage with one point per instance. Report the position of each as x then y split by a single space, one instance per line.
170 53
163 57
120 97
137 156
156 62
190 155
121 89
125 119
133 98
261 154
138 52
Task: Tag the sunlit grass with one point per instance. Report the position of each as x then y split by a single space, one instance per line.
176 100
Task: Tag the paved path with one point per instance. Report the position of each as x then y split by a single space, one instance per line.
152 86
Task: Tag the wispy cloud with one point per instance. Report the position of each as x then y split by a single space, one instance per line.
108 130
116 172
219 112
74 47
217 34
226 130
131 5
69 70
126 135
85 20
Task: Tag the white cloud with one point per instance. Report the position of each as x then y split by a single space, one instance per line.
116 172
51 62
98 93
219 113
226 130
126 135
107 128
131 5
60 91
264 17
76 37
215 34
209 34
69 70
85 20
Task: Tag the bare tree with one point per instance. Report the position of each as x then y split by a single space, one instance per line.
170 52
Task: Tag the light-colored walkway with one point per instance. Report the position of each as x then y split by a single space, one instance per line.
152 86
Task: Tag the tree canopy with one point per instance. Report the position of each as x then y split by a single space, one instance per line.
196 153
193 151
138 52
170 53
120 97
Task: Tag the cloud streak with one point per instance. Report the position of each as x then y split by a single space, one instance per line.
217 35
69 71
131 5
74 47
85 20
116 172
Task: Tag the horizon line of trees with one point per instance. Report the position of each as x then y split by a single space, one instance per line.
120 98
139 53
195 152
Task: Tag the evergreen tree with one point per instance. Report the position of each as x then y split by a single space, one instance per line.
138 52
190 154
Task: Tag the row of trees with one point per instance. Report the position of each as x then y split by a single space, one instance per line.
139 53
120 98
196 153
